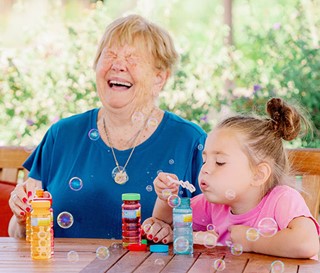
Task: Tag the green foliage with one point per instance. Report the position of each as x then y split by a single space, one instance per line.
49 76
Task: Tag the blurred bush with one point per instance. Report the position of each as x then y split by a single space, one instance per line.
50 76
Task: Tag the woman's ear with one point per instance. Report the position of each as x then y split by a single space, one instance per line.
160 80
262 174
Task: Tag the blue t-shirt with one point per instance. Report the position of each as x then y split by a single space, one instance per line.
67 152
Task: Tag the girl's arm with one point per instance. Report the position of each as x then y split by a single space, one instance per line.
299 240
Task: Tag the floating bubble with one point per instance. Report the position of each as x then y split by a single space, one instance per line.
181 244
236 249
149 188
137 117
171 161
277 267
200 147
219 265
211 227
252 234
152 122
65 219
29 148
75 184
116 247
159 262
209 240
102 253
267 227
230 194
94 134
166 193
73 256
174 201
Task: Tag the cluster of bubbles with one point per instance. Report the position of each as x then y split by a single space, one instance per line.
275 267
102 252
267 227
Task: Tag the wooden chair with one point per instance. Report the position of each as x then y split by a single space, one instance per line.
306 163
11 160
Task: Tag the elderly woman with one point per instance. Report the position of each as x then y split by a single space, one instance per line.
87 161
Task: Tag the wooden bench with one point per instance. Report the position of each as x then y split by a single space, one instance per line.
306 163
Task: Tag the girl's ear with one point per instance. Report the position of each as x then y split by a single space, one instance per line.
262 174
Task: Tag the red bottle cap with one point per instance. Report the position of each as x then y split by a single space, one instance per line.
137 247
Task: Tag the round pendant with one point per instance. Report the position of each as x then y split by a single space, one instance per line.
119 175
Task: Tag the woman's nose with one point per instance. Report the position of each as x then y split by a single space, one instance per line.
118 65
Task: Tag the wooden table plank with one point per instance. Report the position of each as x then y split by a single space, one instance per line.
129 262
15 258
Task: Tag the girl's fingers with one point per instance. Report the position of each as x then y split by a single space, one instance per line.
168 239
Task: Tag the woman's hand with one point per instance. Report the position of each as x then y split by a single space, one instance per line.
21 197
164 187
157 230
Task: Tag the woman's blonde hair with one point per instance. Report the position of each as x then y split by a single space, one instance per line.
157 40
263 137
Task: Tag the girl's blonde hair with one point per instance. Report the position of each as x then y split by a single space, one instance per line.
263 137
126 30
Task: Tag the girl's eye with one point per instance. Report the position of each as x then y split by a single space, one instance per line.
203 162
220 163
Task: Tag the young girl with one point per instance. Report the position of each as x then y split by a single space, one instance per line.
243 188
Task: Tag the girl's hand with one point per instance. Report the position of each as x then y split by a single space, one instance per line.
157 230
238 235
21 197
164 187
205 238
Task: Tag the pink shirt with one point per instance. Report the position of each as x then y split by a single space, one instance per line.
282 203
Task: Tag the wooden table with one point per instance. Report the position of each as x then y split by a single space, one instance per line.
15 257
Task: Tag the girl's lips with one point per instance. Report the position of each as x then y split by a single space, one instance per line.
203 185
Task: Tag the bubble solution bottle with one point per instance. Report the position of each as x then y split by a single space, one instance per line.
40 230
39 194
182 228
131 219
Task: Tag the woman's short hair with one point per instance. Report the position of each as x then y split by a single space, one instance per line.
157 40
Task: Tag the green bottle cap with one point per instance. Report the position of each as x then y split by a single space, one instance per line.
130 196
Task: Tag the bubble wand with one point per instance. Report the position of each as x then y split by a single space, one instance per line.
183 184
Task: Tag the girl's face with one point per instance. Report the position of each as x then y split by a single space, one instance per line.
126 75
225 176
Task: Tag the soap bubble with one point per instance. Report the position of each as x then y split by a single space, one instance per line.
171 161
236 249
94 134
102 253
149 188
211 227
267 227
75 184
230 194
181 244
73 256
252 234
277 267
159 262
65 219
209 240
219 265
174 200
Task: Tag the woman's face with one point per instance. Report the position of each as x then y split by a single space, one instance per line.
225 176
126 75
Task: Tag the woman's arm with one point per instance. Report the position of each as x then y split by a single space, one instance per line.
19 203
299 240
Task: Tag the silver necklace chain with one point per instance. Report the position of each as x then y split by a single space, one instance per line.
135 140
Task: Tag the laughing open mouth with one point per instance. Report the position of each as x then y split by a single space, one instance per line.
119 84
